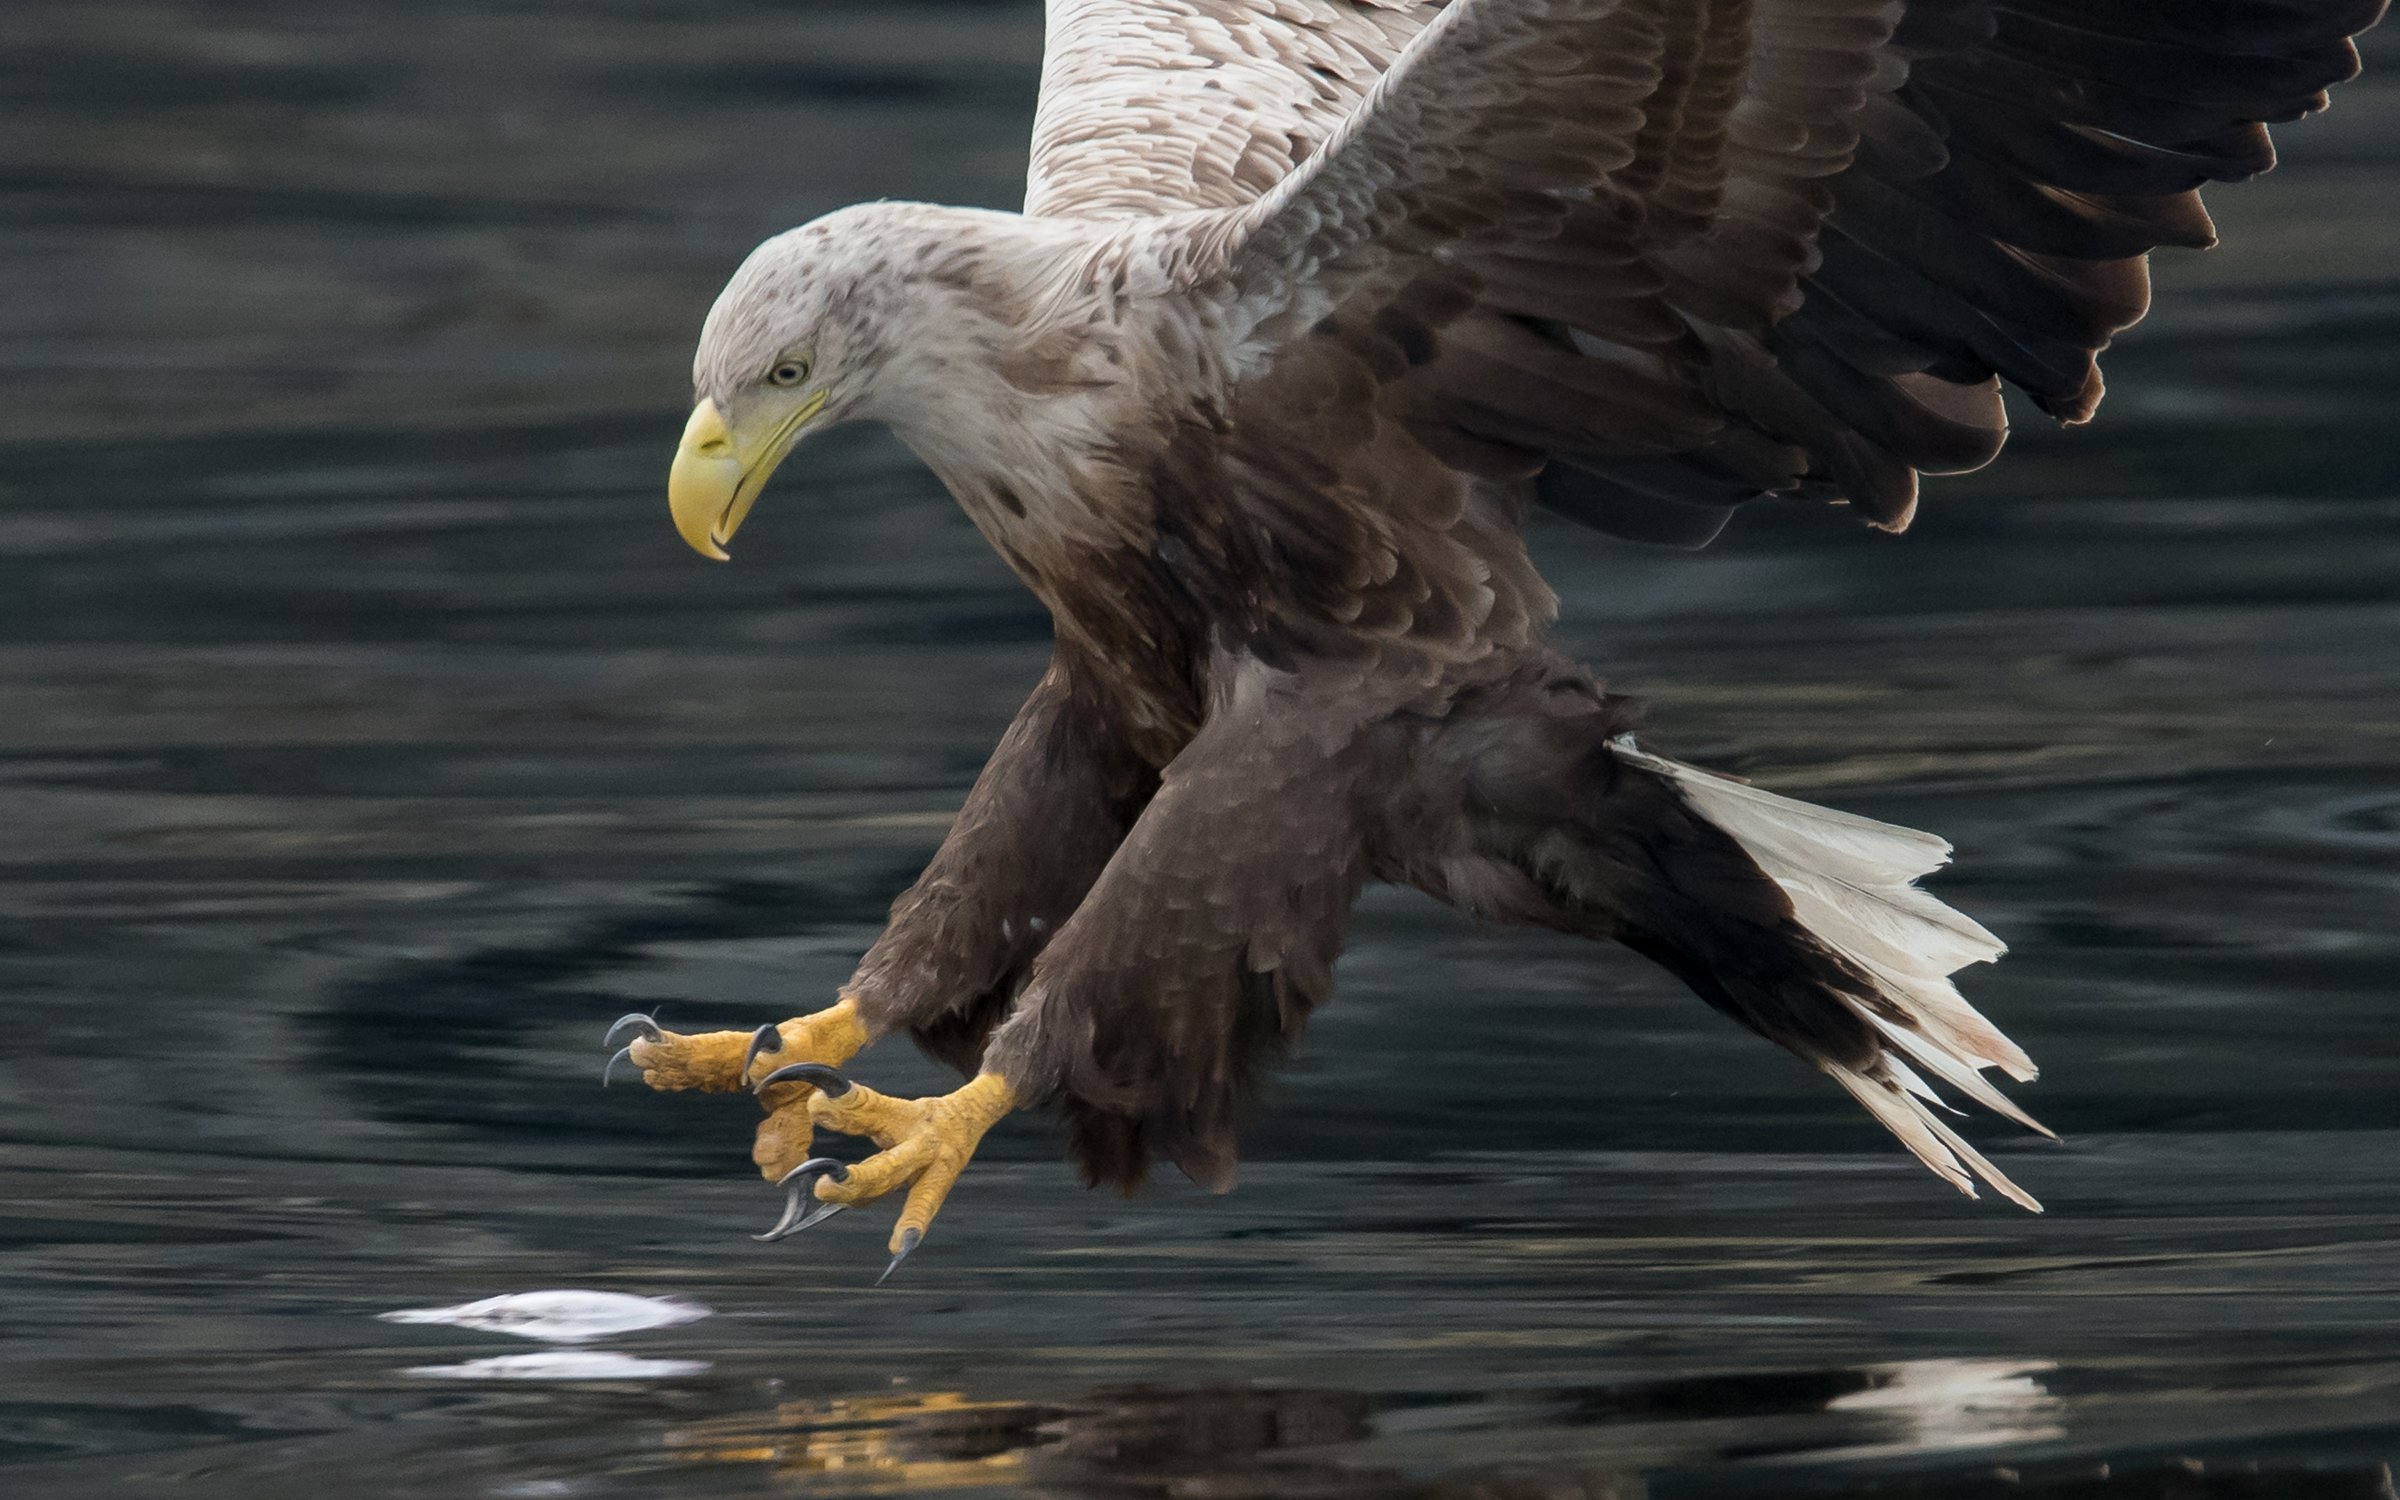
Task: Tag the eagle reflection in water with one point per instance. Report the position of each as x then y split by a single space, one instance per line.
1237 1443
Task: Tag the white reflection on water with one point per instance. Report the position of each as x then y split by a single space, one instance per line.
566 1316
564 1364
1937 1405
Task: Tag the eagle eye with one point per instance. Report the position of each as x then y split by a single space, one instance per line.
788 372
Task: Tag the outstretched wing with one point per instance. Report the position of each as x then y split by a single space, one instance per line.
1674 254
1152 106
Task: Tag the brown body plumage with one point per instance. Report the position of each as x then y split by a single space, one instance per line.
1313 302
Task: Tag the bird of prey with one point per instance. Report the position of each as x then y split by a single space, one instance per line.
1310 304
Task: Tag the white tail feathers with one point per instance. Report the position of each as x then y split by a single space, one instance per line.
1848 879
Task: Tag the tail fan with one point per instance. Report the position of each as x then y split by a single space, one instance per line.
1850 881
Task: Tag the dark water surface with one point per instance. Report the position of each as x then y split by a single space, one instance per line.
367 742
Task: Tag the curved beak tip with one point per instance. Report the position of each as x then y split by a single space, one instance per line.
714 482
704 482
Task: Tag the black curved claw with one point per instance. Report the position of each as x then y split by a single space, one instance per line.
828 1079
910 1239
765 1039
640 1021
646 1029
801 1181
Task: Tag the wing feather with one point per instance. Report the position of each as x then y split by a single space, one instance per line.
1833 224
1159 106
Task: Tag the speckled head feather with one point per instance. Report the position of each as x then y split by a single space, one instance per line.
944 323
849 292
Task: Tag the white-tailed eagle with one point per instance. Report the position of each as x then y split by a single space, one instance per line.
1311 303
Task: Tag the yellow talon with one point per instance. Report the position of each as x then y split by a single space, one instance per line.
926 1142
831 1036
721 1061
783 1140
710 1061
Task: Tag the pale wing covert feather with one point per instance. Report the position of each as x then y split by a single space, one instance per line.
1157 106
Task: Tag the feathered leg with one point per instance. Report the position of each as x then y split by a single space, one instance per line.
1196 958
1189 965
1041 821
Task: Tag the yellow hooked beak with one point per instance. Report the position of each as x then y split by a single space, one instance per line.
717 477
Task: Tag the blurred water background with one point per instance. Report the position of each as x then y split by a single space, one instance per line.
368 742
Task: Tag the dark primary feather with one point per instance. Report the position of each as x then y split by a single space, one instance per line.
1711 249
1994 218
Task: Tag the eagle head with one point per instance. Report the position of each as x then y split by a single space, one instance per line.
882 311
